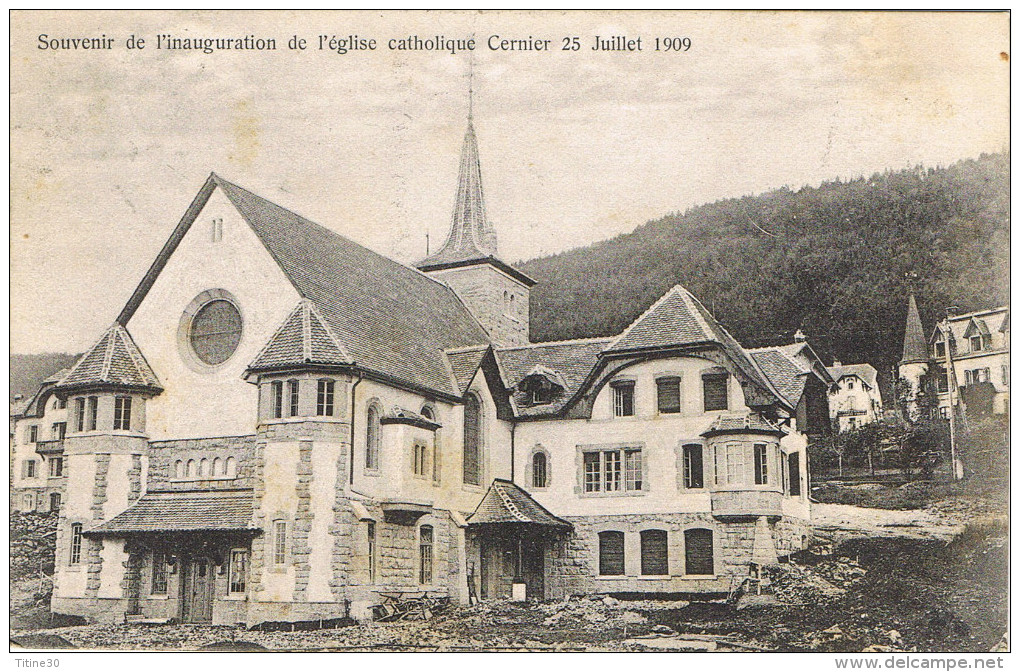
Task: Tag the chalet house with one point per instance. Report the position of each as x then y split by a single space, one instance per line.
280 425
855 399
38 427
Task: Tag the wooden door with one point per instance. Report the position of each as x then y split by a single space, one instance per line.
197 586
534 569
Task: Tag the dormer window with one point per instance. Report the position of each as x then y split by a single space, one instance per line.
541 386
975 343
940 349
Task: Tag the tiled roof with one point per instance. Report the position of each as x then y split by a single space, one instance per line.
113 360
786 374
748 422
303 338
464 364
865 372
571 360
389 318
471 235
506 502
914 347
960 324
195 511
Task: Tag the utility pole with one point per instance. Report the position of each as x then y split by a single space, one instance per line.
951 386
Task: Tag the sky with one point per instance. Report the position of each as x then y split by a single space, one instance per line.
109 147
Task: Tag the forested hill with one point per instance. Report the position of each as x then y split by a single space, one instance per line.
832 260
28 371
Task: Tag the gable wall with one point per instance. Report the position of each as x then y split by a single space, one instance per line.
195 403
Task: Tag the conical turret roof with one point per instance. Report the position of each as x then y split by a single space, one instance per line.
914 347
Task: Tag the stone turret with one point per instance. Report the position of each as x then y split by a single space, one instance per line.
914 362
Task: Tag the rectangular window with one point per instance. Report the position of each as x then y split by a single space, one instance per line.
79 414
238 571
421 461
694 466
985 375
613 470
975 343
58 431
54 501
700 558
122 413
33 433
75 543
371 551
280 543
940 349
158 573
28 469
654 553
716 398
293 394
761 464
611 559
56 467
729 464
324 398
668 395
92 414
277 392
623 399
61 403
943 381
425 555
783 480
794 472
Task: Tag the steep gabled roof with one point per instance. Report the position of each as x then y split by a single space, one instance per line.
571 360
866 372
113 360
789 377
914 347
507 502
388 318
464 363
303 338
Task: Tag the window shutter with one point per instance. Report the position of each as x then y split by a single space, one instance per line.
698 548
611 553
694 466
654 552
794 472
668 395
472 430
715 392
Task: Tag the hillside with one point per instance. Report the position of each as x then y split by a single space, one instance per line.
832 260
27 371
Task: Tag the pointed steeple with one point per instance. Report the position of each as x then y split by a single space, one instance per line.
914 347
471 235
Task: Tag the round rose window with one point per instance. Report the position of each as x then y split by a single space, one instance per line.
215 332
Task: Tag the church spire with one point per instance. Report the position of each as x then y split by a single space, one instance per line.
915 348
471 235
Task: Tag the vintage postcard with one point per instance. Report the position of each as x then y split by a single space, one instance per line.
510 331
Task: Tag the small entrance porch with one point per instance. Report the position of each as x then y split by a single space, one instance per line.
510 535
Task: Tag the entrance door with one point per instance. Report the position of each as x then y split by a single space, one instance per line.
197 588
534 569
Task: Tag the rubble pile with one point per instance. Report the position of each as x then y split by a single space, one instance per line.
821 584
33 539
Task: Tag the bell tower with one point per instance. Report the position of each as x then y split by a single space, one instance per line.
497 294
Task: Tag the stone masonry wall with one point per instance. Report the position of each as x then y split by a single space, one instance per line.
163 454
93 545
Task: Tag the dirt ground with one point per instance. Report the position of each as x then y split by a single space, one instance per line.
921 580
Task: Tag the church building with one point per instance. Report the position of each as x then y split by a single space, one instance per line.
282 425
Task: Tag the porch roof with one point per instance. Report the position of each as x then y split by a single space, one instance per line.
507 502
190 511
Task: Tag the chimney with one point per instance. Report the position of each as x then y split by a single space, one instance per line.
836 362
800 337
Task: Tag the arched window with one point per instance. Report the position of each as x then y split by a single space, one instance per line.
428 413
191 469
654 552
373 432
698 554
425 555
539 470
179 469
217 467
472 440
203 467
231 467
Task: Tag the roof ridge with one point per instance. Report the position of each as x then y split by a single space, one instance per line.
306 332
508 503
111 345
466 348
569 341
642 316
314 312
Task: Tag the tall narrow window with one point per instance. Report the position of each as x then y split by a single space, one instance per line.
238 571
654 552
699 558
421 460
794 474
122 413
280 543
79 414
293 394
425 555
668 394
192 469
324 398
277 392
179 469
371 551
231 467
623 398
611 559
75 543
59 430
472 440
158 586
92 413
33 433
28 469
54 501
217 467
729 464
694 466
1005 374
373 430
633 474
56 467
539 469
714 385
761 464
